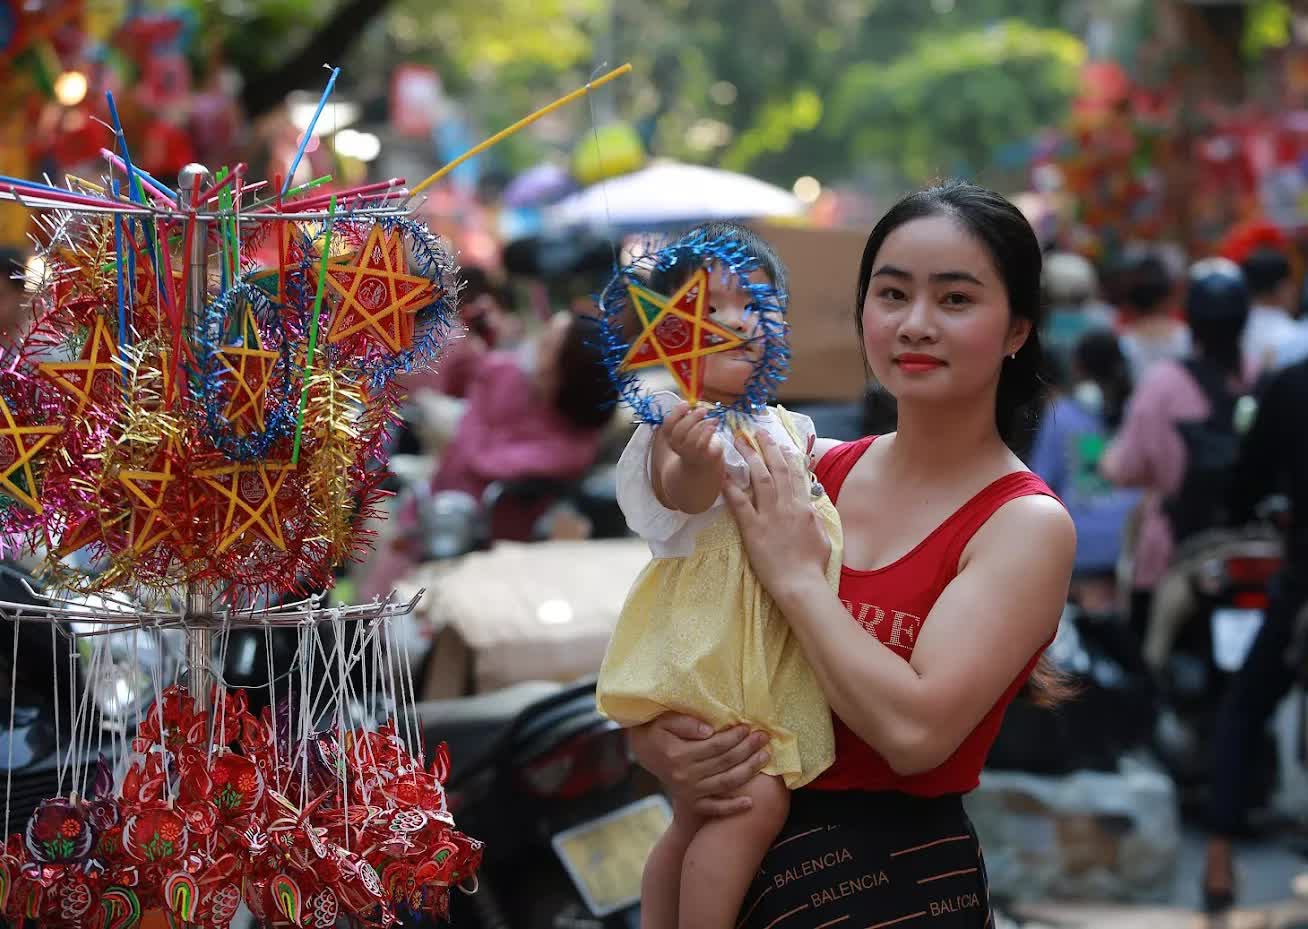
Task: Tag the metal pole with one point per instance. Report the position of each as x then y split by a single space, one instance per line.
199 642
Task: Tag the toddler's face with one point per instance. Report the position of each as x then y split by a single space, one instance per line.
726 373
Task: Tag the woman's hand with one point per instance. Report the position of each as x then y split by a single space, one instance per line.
783 534
700 769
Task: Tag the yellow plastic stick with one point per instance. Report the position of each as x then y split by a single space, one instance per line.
520 124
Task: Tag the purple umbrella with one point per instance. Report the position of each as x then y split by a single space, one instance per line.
544 183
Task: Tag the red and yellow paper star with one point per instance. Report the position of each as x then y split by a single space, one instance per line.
378 298
91 377
149 525
677 333
251 365
18 445
293 246
250 492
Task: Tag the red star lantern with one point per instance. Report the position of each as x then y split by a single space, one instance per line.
378 299
293 246
149 524
677 333
251 366
250 491
92 377
18 445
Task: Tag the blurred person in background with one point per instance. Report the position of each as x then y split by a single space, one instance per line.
1072 438
1149 331
1071 294
490 322
1150 452
14 311
1271 318
537 411
487 320
1273 459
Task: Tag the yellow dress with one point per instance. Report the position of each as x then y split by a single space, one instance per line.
699 635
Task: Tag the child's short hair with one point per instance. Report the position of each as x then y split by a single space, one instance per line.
754 245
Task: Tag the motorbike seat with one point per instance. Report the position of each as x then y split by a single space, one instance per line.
476 727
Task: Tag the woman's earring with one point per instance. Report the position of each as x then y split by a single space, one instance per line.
1013 357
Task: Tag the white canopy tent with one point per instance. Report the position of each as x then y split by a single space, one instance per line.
669 193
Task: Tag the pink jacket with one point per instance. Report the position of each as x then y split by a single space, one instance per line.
1149 453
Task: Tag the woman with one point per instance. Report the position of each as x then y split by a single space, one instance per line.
957 564
1150 331
1149 452
1071 441
535 412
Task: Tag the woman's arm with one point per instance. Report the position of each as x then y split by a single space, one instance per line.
1001 608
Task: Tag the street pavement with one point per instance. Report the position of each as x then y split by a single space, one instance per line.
1267 872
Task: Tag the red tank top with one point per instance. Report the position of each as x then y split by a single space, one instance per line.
892 603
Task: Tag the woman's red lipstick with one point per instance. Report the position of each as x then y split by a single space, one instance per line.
914 363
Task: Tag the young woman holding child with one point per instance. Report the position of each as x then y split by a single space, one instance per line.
955 569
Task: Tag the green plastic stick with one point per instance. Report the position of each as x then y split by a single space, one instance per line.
307 185
313 329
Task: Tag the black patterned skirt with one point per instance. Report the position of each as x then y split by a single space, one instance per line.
858 860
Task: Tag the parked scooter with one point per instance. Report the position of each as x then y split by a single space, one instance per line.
550 786
1207 612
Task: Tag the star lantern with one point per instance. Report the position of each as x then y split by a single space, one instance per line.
293 247
677 334
250 492
377 297
251 366
149 524
18 446
92 376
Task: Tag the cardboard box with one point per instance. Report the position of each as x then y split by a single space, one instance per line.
826 360
524 612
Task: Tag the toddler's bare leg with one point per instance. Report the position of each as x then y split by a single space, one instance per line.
725 854
660 887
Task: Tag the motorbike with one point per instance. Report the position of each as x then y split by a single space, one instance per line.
551 788
1207 612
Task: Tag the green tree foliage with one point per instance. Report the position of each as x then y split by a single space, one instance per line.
772 87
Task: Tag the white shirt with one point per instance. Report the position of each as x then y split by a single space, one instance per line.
672 533
1268 329
1142 353
1295 349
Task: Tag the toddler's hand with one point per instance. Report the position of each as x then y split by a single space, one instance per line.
690 435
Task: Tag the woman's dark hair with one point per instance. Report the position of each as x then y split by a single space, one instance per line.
1217 308
586 395
1015 251
477 283
1098 356
1148 285
753 244
1265 270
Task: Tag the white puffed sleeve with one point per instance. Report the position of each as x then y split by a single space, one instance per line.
646 516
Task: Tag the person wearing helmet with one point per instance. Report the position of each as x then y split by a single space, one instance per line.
1174 400
1273 457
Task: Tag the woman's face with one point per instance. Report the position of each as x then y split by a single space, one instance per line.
936 321
725 374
